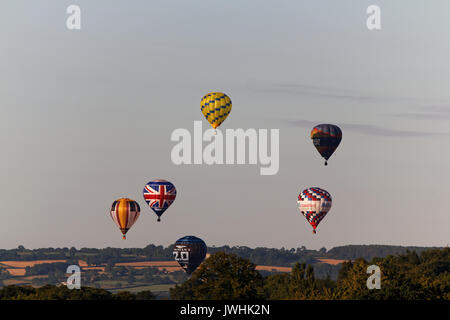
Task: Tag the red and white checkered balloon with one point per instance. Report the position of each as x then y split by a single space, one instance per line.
314 203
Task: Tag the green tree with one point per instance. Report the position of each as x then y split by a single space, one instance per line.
352 280
124 295
297 282
276 287
222 276
145 295
72 252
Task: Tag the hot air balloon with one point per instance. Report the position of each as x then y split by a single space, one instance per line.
189 252
125 213
159 195
215 106
326 138
314 203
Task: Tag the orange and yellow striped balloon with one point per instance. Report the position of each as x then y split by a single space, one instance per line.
215 106
125 213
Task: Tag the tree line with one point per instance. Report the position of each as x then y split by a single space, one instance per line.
408 276
259 255
53 292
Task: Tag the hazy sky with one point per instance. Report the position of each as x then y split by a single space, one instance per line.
86 118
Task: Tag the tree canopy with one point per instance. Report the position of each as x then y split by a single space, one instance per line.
222 276
409 276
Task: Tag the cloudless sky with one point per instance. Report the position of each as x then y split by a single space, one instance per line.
86 118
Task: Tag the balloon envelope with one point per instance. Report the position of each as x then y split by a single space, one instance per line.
314 203
159 195
125 213
215 106
326 138
189 251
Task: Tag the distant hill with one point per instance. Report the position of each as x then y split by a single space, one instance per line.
350 252
260 255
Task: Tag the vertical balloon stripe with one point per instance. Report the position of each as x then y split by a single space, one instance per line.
113 207
128 213
114 213
133 216
122 211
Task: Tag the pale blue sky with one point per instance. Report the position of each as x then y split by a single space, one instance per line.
86 118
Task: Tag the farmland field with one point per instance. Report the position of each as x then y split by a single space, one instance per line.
23 264
95 275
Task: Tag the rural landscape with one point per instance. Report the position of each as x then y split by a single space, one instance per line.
296 273
181 151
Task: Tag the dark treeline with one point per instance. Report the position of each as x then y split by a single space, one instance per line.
409 276
52 292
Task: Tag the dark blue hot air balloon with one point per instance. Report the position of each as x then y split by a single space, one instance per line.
326 138
189 252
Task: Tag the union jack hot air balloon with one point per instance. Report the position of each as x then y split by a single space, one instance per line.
159 195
